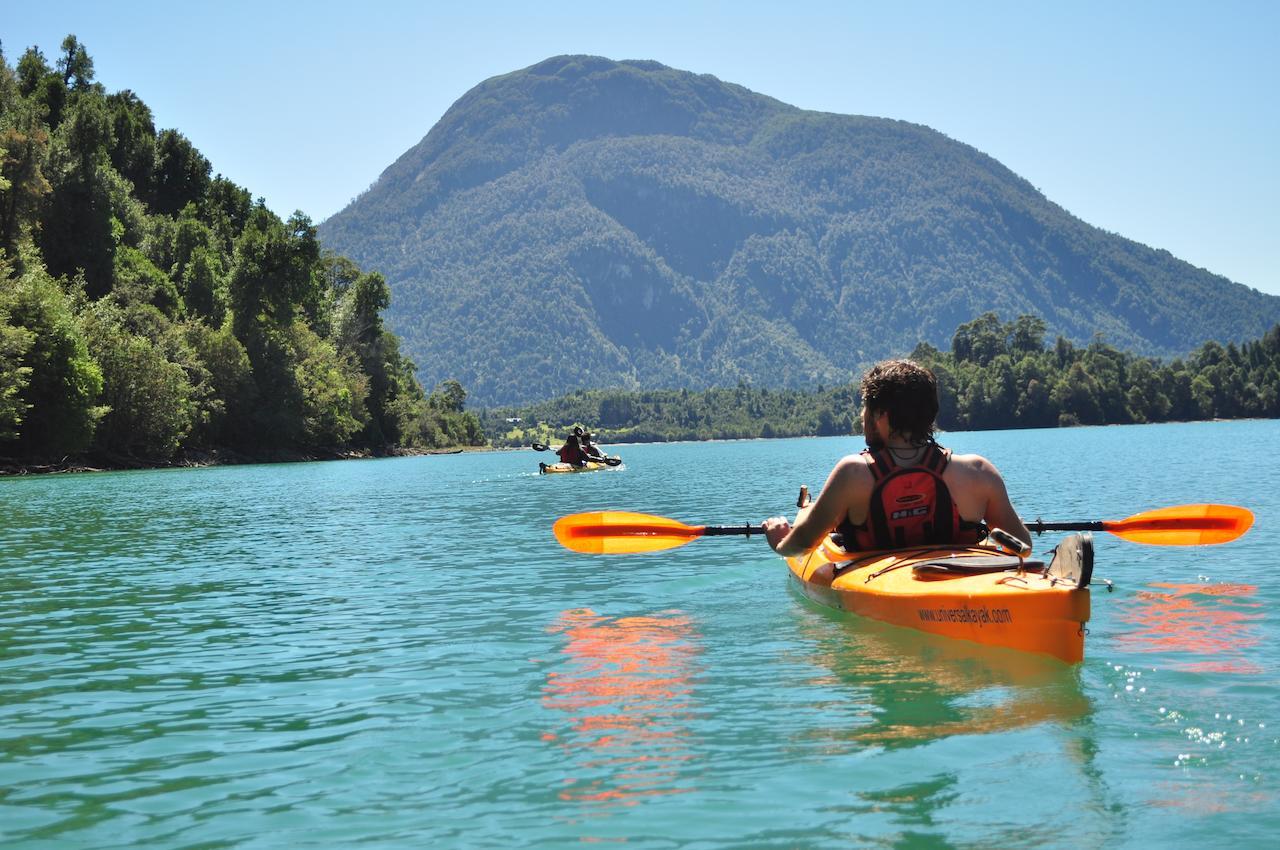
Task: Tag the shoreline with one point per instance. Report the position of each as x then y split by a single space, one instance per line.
858 434
201 458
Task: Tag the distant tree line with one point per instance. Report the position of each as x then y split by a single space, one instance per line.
996 375
1004 375
742 412
147 307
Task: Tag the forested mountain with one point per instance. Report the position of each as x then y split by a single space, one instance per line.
148 306
590 223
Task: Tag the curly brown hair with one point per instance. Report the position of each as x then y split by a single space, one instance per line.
906 391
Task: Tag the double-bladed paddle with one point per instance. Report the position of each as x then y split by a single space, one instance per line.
624 532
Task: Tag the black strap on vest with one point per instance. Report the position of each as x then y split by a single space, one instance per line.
881 464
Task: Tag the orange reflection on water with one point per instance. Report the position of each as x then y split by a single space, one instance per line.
1178 619
916 688
1201 798
627 692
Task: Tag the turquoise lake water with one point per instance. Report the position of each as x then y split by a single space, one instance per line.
396 653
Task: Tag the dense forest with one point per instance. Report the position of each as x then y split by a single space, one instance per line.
149 309
584 223
995 375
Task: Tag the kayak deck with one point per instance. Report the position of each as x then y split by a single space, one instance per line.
968 592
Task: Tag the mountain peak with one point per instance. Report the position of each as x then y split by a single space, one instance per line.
587 222
502 122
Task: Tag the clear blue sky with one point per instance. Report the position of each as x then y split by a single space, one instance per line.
1159 121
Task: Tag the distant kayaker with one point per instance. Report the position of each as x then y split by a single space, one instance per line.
904 489
572 451
590 449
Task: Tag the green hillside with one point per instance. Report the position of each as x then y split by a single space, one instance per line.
589 223
149 308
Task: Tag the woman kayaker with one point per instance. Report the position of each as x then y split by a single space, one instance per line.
572 451
904 489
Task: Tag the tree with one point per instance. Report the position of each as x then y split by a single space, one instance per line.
1145 400
75 65
448 396
129 276
190 234
15 342
445 423
1202 397
8 86
358 314
226 405
1034 378
32 69
1064 353
274 271
979 341
1076 395
1106 366
204 291
61 392
331 390
181 174
77 231
23 149
358 331
226 209
149 400
133 152
138 281
1027 335
44 89
406 406
992 396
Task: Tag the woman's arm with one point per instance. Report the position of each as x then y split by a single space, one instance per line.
819 517
1000 512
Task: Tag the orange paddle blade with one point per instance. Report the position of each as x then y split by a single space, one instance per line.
622 532
1184 525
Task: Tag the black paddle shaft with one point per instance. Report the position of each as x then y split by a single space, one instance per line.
1040 526
731 530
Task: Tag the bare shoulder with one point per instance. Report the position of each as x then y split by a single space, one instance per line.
852 469
857 461
975 465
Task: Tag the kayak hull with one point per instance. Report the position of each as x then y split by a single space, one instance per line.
563 468
1025 610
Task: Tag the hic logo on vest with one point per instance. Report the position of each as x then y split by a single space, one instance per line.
911 506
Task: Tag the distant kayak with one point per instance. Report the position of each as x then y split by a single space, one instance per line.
968 592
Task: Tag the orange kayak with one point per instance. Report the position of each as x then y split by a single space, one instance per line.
969 592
